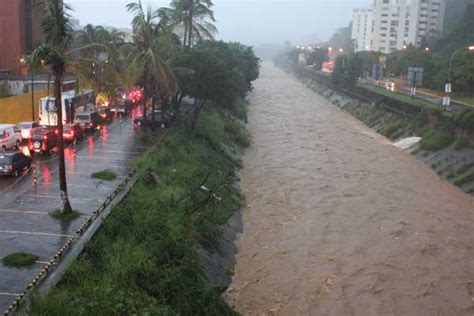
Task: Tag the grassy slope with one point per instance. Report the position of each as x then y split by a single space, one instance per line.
143 260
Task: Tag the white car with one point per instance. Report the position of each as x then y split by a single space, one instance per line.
8 137
26 129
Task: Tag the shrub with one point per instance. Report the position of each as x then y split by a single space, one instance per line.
436 139
210 125
390 129
104 175
19 260
461 144
70 216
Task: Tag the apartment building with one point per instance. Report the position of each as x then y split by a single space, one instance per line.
362 29
20 31
402 22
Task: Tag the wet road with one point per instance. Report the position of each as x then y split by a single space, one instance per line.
340 222
26 226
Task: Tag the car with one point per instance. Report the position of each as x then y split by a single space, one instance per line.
26 129
9 139
12 162
43 141
89 121
106 115
73 132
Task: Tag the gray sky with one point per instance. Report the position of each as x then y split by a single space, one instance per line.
251 22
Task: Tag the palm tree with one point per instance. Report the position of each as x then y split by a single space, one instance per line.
59 34
152 48
191 19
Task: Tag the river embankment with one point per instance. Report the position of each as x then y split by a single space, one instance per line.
443 144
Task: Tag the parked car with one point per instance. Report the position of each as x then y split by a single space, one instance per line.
43 141
73 132
8 137
106 115
26 129
12 162
87 120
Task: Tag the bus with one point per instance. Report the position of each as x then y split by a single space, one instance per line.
72 103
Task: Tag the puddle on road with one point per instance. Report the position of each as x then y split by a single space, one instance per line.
338 223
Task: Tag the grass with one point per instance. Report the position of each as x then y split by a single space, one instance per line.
436 139
461 144
65 216
390 129
144 260
19 260
462 169
466 179
401 97
104 175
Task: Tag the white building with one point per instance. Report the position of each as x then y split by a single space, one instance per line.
402 22
362 29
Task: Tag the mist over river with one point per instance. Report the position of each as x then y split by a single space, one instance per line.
340 222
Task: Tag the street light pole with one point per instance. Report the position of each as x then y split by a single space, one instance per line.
448 87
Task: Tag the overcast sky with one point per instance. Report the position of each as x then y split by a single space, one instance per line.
252 22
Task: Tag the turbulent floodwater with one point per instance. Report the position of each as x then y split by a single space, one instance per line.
340 222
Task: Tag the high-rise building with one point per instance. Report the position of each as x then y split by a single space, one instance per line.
402 22
20 31
362 29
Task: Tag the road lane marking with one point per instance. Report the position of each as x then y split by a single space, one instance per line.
41 262
57 197
25 212
9 294
13 232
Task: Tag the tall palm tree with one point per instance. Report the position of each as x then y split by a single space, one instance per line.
191 19
151 49
59 34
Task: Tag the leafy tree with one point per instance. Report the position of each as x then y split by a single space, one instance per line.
223 72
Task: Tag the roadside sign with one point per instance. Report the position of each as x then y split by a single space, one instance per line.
446 101
415 76
377 71
447 88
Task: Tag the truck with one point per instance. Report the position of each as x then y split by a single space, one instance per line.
72 103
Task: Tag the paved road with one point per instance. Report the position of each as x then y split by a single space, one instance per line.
26 226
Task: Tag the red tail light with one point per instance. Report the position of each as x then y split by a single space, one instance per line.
90 124
45 137
10 167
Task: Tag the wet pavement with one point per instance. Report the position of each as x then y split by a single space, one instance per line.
340 222
26 226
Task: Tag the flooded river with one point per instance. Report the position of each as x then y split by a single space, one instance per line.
339 222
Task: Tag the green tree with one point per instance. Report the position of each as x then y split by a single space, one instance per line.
191 20
151 50
223 72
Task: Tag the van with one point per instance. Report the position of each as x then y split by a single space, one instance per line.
8 137
87 120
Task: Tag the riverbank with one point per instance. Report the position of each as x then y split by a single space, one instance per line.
443 147
341 222
149 255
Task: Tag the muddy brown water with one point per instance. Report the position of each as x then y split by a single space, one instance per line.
340 222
